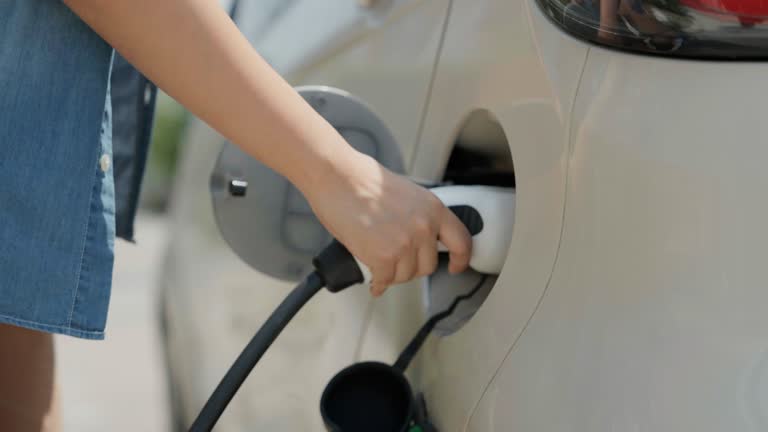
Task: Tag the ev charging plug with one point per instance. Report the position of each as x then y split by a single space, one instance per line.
488 212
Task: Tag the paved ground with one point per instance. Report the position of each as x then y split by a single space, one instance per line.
118 385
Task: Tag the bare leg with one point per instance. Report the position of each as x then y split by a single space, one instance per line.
27 381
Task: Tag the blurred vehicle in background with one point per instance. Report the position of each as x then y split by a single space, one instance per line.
633 295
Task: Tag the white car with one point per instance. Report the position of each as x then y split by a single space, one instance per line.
635 293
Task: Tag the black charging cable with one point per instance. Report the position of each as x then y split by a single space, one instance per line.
415 344
335 269
421 417
253 352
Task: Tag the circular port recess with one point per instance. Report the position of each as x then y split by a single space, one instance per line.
480 156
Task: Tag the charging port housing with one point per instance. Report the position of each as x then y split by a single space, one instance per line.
480 156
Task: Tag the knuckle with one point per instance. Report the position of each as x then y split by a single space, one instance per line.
403 244
422 227
388 256
434 203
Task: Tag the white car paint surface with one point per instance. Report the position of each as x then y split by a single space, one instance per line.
633 295
504 70
655 317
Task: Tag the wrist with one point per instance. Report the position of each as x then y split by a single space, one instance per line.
327 170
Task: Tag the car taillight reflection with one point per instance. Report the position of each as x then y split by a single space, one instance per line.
746 12
709 29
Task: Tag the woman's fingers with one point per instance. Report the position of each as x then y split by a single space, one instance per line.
406 267
416 253
456 238
403 270
383 276
418 257
427 258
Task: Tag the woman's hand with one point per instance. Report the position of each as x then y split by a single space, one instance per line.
387 222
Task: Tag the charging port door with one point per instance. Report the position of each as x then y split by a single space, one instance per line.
264 218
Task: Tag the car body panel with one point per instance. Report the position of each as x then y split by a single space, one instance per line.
655 316
529 85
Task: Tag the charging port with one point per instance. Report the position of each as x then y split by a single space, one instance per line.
481 156
481 153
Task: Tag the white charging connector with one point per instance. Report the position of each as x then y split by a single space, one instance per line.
496 209
489 213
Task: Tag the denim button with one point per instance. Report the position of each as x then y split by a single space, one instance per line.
105 162
147 94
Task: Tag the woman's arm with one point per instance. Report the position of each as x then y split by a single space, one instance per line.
194 52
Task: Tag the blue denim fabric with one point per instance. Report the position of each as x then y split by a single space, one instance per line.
57 206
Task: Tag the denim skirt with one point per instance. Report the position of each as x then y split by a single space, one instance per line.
57 224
